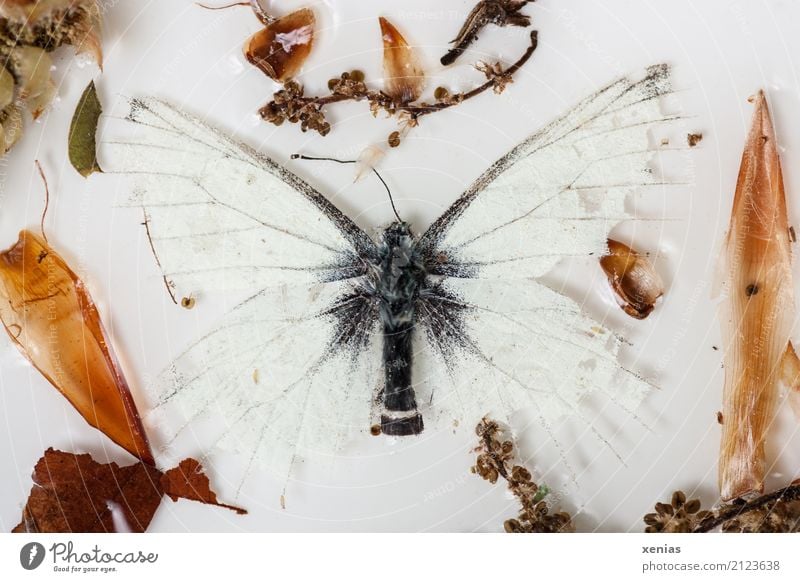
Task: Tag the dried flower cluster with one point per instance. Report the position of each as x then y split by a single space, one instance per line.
678 516
495 460
29 31
777 512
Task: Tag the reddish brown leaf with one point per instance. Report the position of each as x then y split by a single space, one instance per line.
404 77
758 311
71 493
187 481
50 316
75 494
281 47
633 279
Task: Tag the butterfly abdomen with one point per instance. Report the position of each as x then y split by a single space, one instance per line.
400 275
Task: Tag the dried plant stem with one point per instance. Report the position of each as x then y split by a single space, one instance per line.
290 104
765 502
420 109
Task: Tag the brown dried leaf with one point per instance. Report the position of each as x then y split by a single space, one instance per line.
758 312
50 316
76 494
633 278
281 47
72 494
404 76
187 481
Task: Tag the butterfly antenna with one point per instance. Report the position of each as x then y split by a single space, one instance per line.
385 185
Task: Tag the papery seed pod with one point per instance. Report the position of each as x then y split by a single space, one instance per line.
404 76
282 46
633 278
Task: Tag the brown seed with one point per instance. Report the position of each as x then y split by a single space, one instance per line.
357 76
188 302
375 430
692 506
394 139
751 289
720 420
332 83
694 138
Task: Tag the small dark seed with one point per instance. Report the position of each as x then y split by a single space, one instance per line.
394 139
719 418
188 302
357 76
375 430
751 289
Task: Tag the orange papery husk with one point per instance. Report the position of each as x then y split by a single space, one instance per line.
404 76
50 316
282 46
757 312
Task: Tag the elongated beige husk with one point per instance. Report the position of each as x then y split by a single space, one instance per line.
758 309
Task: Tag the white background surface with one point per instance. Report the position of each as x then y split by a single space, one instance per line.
722 52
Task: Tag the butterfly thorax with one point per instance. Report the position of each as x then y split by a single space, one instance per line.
400 275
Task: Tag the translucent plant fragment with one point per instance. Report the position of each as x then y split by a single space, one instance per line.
50 316
633 278
790 377
758 308
76 494
404 76
282 46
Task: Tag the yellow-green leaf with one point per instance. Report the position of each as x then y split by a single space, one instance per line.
83 133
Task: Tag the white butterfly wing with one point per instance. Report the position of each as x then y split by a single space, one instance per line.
289 370
558 193
517 343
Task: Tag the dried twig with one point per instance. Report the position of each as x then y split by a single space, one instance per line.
292 105
485 12
776 512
